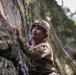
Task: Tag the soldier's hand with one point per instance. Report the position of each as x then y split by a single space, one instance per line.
17 31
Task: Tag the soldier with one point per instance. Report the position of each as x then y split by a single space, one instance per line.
40 53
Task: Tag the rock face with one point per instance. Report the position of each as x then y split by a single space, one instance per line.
13 11
8 49
7 67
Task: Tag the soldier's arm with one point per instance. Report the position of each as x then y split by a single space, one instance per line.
40 52
30 50
34 52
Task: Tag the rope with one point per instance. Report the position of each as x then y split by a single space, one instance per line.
51 32
30 40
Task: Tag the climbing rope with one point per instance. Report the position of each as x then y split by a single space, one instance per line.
30 40
51 32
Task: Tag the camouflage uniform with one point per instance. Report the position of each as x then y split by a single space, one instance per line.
41 57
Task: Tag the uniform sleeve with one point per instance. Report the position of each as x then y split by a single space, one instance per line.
41 52
38 52
35 52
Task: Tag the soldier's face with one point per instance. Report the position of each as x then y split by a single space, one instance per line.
38 32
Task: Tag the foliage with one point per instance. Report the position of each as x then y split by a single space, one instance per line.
61 27
70 14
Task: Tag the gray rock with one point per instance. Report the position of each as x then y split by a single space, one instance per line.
8 49
7 67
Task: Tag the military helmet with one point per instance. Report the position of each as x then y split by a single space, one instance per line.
44 24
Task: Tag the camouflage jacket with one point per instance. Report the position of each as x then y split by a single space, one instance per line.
41 55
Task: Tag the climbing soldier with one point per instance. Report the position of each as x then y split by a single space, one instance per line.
40 52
